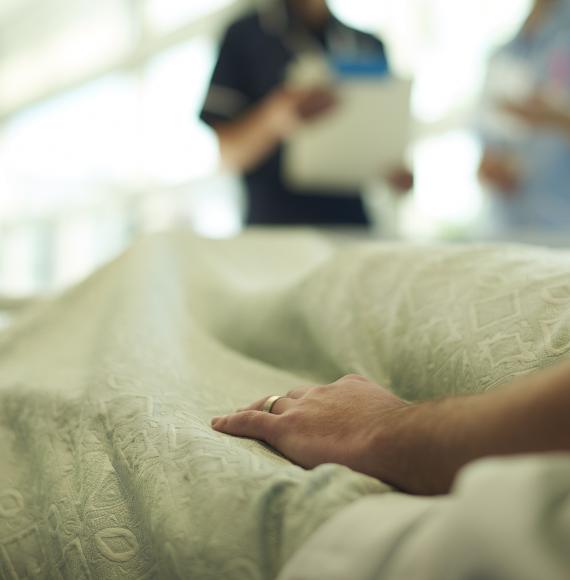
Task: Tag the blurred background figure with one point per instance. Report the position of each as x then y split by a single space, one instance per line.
253 111
101 139
526 161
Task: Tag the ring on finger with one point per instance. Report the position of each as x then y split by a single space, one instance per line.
270 403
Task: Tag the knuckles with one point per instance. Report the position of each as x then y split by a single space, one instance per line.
300 392
319 390
354 378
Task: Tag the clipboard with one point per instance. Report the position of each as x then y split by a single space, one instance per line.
366 135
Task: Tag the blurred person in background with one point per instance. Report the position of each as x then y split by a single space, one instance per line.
526 160
253 111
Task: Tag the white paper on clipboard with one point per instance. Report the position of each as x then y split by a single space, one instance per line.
367 134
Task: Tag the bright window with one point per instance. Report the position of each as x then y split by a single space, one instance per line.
164 15
444 45
117 149
64 151
177 147
62 41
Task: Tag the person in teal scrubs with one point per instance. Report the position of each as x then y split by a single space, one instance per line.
526 161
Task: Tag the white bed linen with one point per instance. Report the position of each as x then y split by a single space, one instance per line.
109 468
505 520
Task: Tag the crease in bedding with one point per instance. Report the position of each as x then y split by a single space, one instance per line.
109 468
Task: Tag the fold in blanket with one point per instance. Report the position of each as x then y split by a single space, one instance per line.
109 466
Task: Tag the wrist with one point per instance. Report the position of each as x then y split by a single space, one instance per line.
406 448
277 115
421 447
566 125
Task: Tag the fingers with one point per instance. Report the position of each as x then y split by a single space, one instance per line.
316 389
257 406
315 103
278 408
251 424
298 393
282 405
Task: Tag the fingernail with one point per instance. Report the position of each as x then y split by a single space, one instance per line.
214 421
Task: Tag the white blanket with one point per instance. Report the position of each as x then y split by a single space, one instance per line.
109 468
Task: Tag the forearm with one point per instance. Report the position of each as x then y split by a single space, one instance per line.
419 447
558 119
248 141
565 125
434 440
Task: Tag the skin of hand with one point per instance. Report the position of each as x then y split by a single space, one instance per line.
498 170
342 423
287 109
537 112
400 179
420 447
246 142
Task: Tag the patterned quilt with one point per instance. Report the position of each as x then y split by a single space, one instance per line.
108 466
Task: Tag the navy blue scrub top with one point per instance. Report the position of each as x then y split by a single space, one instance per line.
253 61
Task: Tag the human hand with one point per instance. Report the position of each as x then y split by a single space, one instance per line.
499 171
286 109
313 103
536 112
352 422
418 447
400 179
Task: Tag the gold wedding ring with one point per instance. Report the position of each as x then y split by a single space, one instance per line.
270 403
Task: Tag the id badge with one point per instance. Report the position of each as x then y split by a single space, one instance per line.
359 66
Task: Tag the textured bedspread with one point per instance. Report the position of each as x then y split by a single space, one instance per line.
108 467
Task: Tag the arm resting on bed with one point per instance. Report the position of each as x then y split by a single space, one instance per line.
417 447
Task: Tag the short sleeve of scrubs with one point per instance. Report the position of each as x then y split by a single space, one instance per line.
227 95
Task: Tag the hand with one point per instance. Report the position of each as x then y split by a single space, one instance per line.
287 109
352 422
314 103
419 447
537 112
253 137
400 179
499 171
